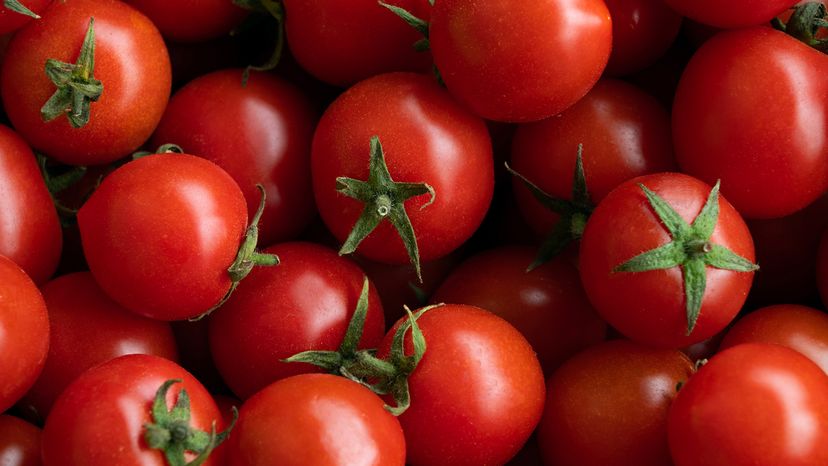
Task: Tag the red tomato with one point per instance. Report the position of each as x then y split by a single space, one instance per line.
317 419
607 406
642 31
732 13
477 393
303 304
160 232
822 267
651 306
130 60
19 442
113 401
260 133
88 328
29 228
752 404
24 333
775 161
523 61
11 21
205 19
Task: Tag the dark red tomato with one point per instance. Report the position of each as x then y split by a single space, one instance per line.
427 138
607 406
822 267
303 304
24 333
548 304
642 31
345 41
88 328
523 61
131 61
477 393
730 14
30 232
260 133
753 404
205 19
19 442
770 164
113 401
317 419
160 232
11 21
625 133
650 306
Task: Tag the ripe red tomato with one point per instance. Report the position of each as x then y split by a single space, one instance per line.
317 419
205 19
642 31
160 233
19 442
753 404
730 14
11 20
523 61
130 60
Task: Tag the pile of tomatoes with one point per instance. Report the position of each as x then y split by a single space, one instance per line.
424 232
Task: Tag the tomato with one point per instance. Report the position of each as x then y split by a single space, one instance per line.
822 267
303 304
260 133
29 229
642 31
113 401
24 333
160 233
730 14
130 60
607 406
666 304
522 61
753 404
204 19
19 442
775 162
477 393
426 138
88 328
317 419
548 304
11 20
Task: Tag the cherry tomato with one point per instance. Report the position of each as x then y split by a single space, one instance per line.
205 19
19 442
642 31
11 21
730 14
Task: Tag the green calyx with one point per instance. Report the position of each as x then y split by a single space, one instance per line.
274 9
17 7
384 199
76 86
171 432
805 24
689 249
573 213
420 25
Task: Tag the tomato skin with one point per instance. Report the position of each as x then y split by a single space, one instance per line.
113 401
259 133
731 14
304 303
476 395
822 267
24 333
649 307
204 19
30 232
160 232
11 21
775 162
520 62
88 328
318 419
427 137
753 404
131 61
607 406
642 31
19 442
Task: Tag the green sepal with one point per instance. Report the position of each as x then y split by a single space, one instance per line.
17 7
417 23
274 9
805 24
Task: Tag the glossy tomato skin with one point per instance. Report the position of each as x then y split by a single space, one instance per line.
476 395
11 21
775 162
649 307
547 305
260 133
204 19
304 303
88 328
131 61
752 404
113 401
520 62
731 14
427 137
19 442
642 31
318 419
625 133
607 406
160 232
30 232
24 332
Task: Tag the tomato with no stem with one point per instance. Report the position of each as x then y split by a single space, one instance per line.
11 21
19 442
205 19
730 14
642 31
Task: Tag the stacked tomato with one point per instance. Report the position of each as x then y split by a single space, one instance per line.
425 232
